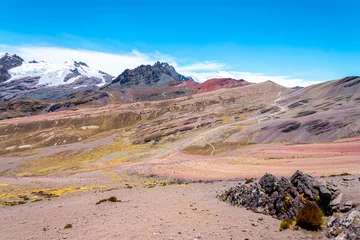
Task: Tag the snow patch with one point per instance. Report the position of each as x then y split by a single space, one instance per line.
79 86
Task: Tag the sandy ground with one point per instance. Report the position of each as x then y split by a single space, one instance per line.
172 212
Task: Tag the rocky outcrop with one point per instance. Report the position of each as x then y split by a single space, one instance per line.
282 198
7 62
4 74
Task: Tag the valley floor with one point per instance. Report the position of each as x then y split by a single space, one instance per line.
154 205
161 208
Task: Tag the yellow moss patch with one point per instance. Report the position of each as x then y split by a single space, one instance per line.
10 193
73 162
220 147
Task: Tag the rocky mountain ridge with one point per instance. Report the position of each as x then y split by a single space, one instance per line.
159 75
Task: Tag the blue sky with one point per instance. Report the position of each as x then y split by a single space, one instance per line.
309 40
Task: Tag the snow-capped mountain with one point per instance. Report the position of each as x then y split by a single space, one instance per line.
57 74
20 79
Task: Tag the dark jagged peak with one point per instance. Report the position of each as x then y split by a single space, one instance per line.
79 64
33 61
9 61
296 88
159 75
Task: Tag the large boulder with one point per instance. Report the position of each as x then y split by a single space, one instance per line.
268 182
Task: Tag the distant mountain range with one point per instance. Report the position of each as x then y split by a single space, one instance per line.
37 87
41 80
31 88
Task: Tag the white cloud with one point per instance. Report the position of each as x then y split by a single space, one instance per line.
202 66
115 64
250 77
111 63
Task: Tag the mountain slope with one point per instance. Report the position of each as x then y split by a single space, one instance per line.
218 83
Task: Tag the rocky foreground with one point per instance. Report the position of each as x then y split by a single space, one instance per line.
285 198
155 209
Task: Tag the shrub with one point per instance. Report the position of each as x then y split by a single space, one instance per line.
310 216
110 199
286 223
249 180
68 226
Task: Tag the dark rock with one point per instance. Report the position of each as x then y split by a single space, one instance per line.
299 103
9 61
268 182
325 196
305 184
305 113
79 64
289 127
4 74
346 206
346 179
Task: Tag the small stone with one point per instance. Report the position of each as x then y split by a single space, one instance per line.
342 236
255 224
333 232
197 237
346 206
331 221
348 179
246 230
